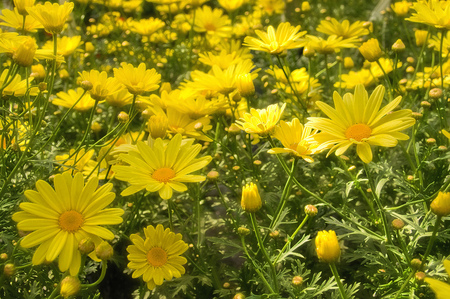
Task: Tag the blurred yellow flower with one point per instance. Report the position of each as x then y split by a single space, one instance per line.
13 19
358 119
102 86
330 45
22 6
137 80
271 6
69 98
296 140
401 9
231 5
344 29
441 204
276 42
66 45
146 27
52 16
212 22
327 246
161 166
371 50
440 288
261 121
432 12
17 86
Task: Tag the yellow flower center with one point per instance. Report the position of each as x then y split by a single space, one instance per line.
71 221
157 257
164 175
273 46
210 27
358 132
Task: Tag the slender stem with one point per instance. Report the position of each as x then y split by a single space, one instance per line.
290 239
244 246
441 105
404 284
264 251
337 211
403 246
387 79
224 203
100 279
432 239
338 280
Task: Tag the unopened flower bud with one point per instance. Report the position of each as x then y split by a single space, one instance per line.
245 84
309 52
96 127
310 210
239 296
234 129
4 256
441 204
198 126
297 281
212 176
226 285
305 6
251 200
410 60
86 85
24 54
104 251
70 286
157 126
86 246
9 270
435 93
431 141
42 86
275 234
425 104
243 231
398 46
421 36
416 264
417 115
123 117
410 69
420 276
367 25
327 246
348 62
398 224
410 178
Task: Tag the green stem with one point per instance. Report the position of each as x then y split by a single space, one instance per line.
169 208
432 239
264 251
404 284
290 239
100 279
244 246
386 77
338 280
442 104
224 203
403 246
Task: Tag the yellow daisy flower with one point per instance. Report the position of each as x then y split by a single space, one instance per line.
276 42
59 218
102 86
358 119
75 163
433 13
22 6
146 27
17 86
157 258
67 99
440 288
330 45
52 16
137 80
231 5
261 121
13 19
271 6
161 167
401 8
344 29
296 140
66 45
212 22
